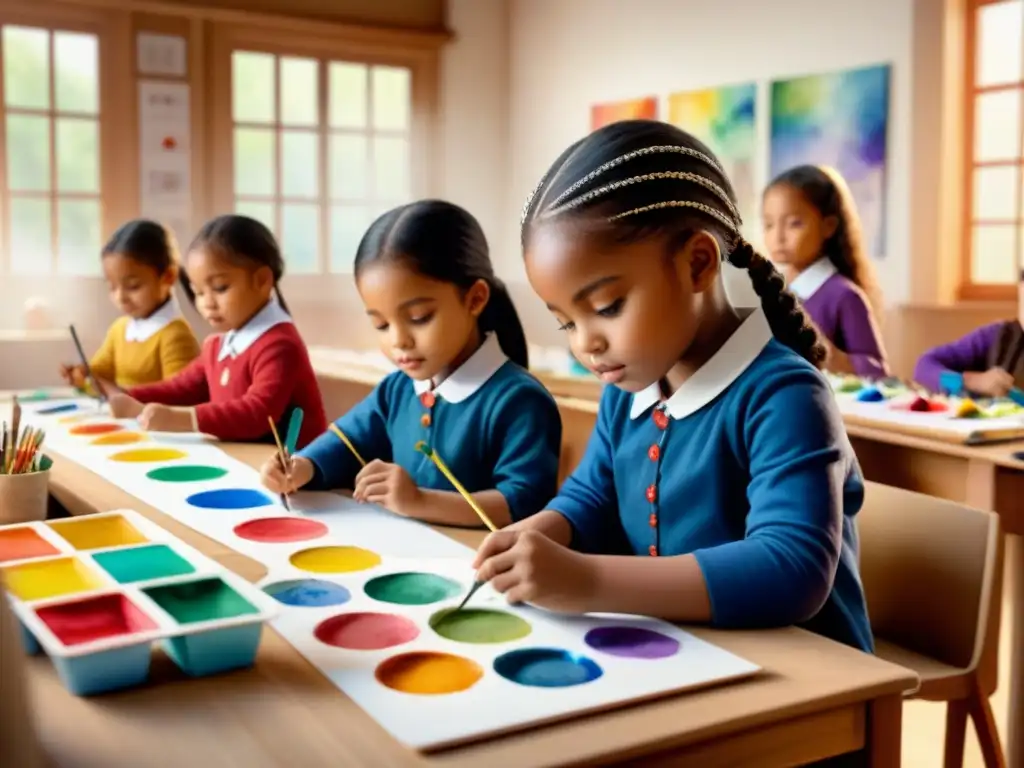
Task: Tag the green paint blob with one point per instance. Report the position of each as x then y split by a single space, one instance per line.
197 601
186 474
143 563
475 625
412 588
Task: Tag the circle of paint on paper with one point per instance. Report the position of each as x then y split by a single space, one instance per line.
186 473
632 642
55 409
366 631
118 438
428 673
74 419
308 593
334 559
1019 455
412 588
148 455
546 668
229 498
102 428
476 625
278 530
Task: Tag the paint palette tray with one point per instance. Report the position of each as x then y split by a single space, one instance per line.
97 592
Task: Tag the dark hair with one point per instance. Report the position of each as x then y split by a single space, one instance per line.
243 241
826 191
442 241
643 178
146 242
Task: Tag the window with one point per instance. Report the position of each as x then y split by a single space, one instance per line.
994 222
50 193
320 148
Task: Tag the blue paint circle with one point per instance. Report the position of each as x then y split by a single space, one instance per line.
229 498
66 408
870 395
546 668
1019 455
308 593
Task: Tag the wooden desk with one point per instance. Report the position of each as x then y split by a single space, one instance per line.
815 699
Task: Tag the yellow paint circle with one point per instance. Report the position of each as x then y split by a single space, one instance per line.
334 559
143 455
75 419
119 438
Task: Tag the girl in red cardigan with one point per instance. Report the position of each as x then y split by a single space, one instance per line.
255 366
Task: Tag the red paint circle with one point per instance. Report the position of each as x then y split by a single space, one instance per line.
366 631
278 530
95 429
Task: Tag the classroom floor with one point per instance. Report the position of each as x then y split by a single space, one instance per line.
924 722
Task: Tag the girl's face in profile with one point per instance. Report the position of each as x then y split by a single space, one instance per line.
794 230
137 289
227 294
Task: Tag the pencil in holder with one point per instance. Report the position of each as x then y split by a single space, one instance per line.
24 496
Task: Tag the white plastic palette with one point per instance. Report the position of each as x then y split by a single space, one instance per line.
540 668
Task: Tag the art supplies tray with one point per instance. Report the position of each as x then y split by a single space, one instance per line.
96 592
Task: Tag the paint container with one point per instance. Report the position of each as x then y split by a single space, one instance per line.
23 498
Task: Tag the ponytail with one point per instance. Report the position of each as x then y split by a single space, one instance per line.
280 299
500 316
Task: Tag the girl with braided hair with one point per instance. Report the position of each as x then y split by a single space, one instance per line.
719 465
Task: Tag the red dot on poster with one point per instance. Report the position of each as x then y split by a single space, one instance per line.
170 143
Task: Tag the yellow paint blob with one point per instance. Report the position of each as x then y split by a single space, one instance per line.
967 409
74 419
335 559
50 578
98 532
119 438
428 673
144 455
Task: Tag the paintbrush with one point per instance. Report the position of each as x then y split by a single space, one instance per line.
291 440
282 458
347 442
5 449
101 393
15 420
426 450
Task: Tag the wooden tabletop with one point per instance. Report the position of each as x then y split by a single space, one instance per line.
814 699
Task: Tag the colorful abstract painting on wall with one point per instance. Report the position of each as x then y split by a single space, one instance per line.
634 109
723 118
841 120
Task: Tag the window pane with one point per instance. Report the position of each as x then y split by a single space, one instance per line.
347 97
78 237
348 167
997 125
252 87
254 161
993 255
28 153
999 43
26 67
348 224
78 167
300 237
299 98
995 192
300 166
77 79
391 97
30 236
391 169
254 209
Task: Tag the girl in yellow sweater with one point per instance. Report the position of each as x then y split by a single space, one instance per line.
152 342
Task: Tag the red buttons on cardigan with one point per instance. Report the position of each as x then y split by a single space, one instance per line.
652 493
660 418
653 521
652 551
428 399
425 419
654 453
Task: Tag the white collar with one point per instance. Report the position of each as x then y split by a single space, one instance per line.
471 375
807 283
715 376
145 328
236 342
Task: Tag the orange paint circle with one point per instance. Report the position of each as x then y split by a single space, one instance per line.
428 672
144 455
119 438
96 429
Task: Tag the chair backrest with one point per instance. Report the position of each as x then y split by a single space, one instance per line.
932 575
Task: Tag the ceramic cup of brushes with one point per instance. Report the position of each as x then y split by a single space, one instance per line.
24 473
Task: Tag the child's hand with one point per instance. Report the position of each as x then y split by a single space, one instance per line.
300 472
388 485
73 375
163 418
123 406
995 382
528 567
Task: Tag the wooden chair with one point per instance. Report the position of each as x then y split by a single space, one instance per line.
932 572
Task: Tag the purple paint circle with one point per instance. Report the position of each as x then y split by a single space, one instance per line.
632 642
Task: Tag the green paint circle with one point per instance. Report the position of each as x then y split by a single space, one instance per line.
474 625
186 474
412 588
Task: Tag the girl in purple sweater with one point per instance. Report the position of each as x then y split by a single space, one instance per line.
813 233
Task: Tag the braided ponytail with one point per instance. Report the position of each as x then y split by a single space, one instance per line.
787 320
